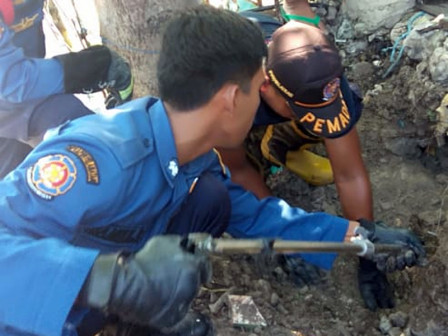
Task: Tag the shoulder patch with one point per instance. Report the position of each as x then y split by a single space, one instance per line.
51 176
88 162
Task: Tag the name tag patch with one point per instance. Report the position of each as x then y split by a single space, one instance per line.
88 162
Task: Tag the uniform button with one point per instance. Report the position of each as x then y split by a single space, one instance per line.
173 168
146 142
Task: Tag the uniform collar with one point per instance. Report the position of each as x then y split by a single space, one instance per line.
164 141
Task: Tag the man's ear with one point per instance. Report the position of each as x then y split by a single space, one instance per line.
230 95
266 84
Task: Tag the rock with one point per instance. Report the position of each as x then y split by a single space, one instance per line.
244 312
213 297
406 147
431 217
442 179
282 309
377 63
385 325
362 71
264 286
395 332
438 65
419 46
280 274
376 14
399 319
386 205
321 11
345 30
398 30
274 299
331 14
216 307
356 47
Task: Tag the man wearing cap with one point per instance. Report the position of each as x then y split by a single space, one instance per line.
82 214
306 99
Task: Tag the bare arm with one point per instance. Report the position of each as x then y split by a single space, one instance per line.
302 8
351 177
243 173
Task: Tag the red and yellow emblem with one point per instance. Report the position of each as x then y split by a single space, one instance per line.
331 89
52 175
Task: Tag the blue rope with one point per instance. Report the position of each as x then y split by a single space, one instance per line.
395 60
138 50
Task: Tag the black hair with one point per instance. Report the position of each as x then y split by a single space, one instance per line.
202 49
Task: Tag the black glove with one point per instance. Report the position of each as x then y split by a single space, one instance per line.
153 287
95 69
412 253
301 272
374 287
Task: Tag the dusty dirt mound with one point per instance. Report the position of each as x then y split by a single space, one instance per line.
410 185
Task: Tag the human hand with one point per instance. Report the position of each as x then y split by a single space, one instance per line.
123 82
301 272
411 254
94 69
374 287
153 287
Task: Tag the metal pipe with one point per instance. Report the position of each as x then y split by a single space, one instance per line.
252 246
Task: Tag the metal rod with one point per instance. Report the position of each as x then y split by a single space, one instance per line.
252 246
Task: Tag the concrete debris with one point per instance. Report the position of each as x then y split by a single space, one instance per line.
399 319
442 121
376 14
385 325
420 46
216 307
438 65
244 313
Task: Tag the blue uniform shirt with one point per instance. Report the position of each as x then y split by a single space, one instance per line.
27 25
105 183
23 78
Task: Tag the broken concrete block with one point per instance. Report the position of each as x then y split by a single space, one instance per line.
438 65
244 313
376 14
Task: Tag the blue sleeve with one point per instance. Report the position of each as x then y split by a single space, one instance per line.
274 218
23 78
41 279
59 187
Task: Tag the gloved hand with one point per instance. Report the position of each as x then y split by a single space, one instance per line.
153 287
412 253
123 88
374 287
301 272
95 69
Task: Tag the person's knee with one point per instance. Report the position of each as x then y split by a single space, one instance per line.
206 209
212 196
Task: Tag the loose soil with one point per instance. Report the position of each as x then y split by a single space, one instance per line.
410 187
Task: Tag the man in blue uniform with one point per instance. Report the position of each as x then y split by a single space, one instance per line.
80 216
25 83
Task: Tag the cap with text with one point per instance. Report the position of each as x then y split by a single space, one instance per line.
306 68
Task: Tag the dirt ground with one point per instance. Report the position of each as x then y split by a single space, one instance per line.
410 188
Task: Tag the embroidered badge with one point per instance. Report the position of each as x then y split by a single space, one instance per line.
88 162
51 176
331 89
